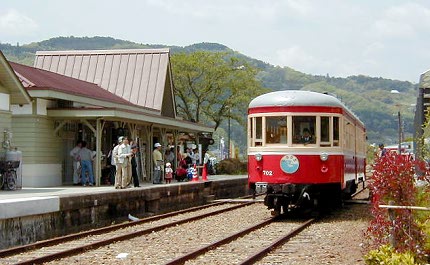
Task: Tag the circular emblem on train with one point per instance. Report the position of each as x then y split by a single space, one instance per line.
289 164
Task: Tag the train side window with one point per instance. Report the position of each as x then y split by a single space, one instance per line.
325 131
335 131
276 130
304 129
250 130
258 131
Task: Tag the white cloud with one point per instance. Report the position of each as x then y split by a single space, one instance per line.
403 21
230 10
298 58
303 8
378 38
302 60
13 24
373 48
388 40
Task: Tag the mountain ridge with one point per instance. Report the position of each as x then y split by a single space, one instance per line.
368 97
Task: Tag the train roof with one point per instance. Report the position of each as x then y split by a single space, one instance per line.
289 98
293 98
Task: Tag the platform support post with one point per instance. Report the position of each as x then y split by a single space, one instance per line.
98 168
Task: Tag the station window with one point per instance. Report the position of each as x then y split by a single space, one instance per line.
304 129
276 130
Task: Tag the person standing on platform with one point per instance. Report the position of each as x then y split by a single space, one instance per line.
134 150
157 157
206 158
74 153
178 154
118 169
196 157
124 159
86 165
170 156
189 158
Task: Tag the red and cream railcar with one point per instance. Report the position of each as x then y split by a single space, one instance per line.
303 147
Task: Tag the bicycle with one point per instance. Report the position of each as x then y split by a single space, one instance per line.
8 176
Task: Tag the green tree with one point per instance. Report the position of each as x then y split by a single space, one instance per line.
213 87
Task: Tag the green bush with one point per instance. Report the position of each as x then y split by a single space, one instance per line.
423 217
388 256
231 166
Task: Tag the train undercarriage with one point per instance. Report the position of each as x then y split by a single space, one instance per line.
304 198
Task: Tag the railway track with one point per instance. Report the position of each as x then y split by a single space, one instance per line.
141 239
62 239
48 250
238 247
359 197
224 251
359 192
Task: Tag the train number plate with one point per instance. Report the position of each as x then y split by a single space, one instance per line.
268 172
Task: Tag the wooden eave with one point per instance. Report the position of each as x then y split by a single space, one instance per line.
10 82
48 93
127 115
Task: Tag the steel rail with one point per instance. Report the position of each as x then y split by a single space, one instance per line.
62 239
202 250
358 192
83 248
263 252
54 241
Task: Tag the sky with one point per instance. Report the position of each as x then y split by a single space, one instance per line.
379 38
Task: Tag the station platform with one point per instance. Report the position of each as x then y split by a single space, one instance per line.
30 192
33 214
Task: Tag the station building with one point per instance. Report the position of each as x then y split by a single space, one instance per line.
94 96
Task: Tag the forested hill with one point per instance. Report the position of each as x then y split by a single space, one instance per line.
368 97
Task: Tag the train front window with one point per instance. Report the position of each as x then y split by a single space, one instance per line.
276 130
304 129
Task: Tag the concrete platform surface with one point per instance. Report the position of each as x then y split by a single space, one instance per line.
28 192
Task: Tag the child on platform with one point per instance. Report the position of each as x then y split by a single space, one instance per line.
169 173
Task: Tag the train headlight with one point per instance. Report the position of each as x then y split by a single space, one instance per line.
258 157
324 156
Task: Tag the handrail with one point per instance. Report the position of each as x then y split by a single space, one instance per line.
419 208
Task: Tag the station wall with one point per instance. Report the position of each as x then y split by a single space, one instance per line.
41 149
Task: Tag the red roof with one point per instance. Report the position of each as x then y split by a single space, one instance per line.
38 79
141 76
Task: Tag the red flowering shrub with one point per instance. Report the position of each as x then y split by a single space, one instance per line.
393 181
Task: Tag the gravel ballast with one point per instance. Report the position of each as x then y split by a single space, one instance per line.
335 239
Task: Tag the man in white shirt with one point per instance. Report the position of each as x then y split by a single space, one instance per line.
114 161
74 153
124 156
157 157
